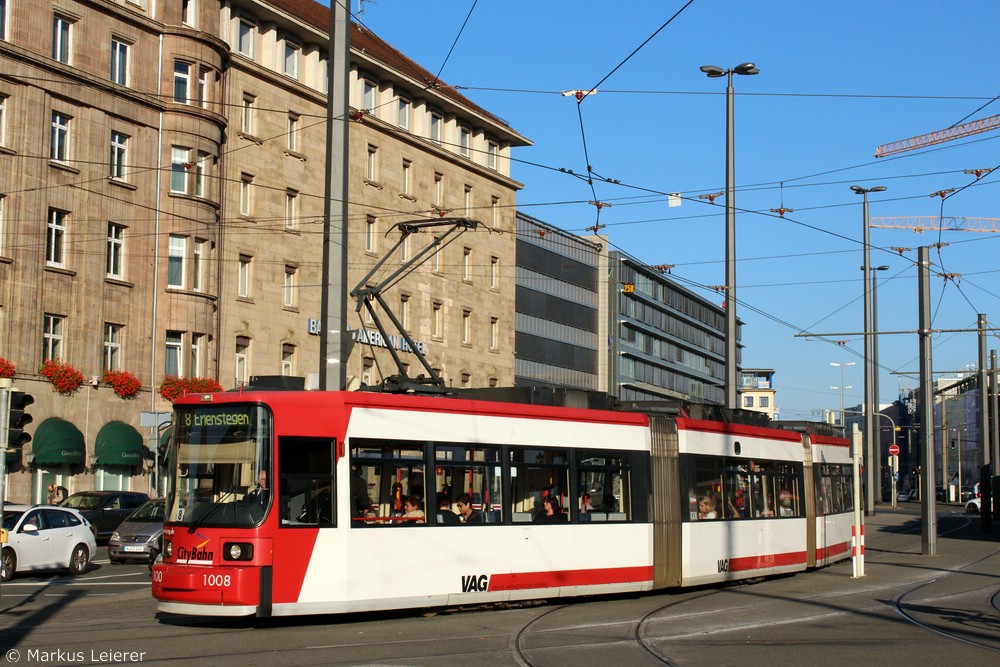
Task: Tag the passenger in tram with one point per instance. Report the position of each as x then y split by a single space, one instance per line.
413 511
361 502
706 508
585 506
444 514
397 500
261 494
785 503
468 515
552 512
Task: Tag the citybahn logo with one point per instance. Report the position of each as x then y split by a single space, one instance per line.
197 554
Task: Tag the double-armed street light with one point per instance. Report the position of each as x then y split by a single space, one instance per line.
713 72
869 368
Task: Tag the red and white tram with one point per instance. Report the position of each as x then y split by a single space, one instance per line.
292 502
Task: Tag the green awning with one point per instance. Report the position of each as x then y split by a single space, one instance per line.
56 442
118 444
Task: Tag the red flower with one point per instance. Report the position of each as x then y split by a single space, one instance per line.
6 368
123 383
174 387
64 378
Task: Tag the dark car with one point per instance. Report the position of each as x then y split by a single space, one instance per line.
105 509
138 537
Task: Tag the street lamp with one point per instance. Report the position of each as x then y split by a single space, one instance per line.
713 72
842 388
869 419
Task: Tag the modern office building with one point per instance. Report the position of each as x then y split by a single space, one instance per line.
162 178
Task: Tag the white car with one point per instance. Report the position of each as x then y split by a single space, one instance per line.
43 537
974 505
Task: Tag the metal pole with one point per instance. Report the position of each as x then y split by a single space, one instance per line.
876 463
332 364
5 385
731 349
869 429
928 510
985 511
995 405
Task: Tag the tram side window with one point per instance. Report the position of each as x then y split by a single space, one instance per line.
763 489
537 474
393 473
789 483
603 486
306 486
704 488
834 489
475 471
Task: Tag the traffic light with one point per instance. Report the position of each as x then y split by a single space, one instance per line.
953 444
18 419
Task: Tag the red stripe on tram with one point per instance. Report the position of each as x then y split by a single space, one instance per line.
516 581
833 550
765 561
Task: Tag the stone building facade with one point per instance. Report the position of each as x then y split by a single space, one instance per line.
161 212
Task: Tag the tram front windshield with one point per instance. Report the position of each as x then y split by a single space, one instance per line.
220 459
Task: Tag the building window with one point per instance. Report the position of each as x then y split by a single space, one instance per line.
288 291
293 132
197 350
370 234
369 96
494 272
3 119
179 167
204 83
115 263
492 149
371 169
243 277
62 32
55 239
494 333
172 354
465 142
405 185
3 19
59 140
242 360
437 122
467 264
200 171
119 152
246 194
112 346
52 337
176 257
119 61
404 310
436 319
466 327
2 201
182 82
292 53
748 401
765 402
467 201
439 190
188 13
291 208
198 264
247 117
494 211
287 359
246 37
404 113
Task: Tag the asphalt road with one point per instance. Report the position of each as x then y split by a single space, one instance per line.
909 609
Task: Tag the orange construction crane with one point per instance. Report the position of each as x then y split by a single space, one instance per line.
933 223
939 137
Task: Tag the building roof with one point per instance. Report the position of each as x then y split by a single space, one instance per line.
365 41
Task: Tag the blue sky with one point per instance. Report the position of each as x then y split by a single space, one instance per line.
837 79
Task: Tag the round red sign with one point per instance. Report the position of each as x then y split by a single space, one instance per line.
893 450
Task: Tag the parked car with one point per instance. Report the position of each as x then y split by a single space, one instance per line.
138 537
44 537
105 509
903 496
974 505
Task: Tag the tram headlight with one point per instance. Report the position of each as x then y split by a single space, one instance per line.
168 549
237 551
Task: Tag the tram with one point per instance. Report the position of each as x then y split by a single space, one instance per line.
308 502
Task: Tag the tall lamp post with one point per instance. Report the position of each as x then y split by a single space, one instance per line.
842 387
870 461
713 72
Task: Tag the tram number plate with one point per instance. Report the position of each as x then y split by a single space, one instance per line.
133 548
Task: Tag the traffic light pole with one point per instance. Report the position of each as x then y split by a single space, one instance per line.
5 385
